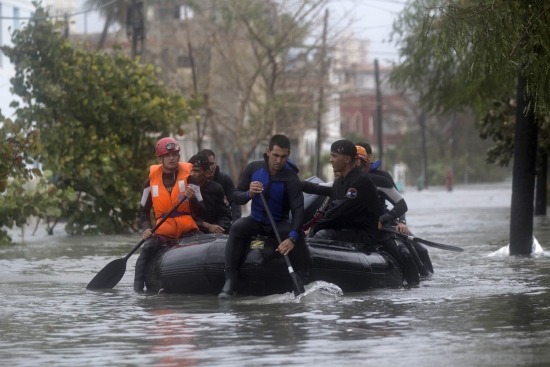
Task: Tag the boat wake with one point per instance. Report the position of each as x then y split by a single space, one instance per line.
315 292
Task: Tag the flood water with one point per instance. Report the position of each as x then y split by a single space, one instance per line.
475 311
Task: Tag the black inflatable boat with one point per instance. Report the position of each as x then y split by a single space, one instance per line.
195 265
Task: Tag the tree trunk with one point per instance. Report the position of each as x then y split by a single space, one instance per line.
523 184
106 26
542 178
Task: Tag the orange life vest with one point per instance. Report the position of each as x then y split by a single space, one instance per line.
180 221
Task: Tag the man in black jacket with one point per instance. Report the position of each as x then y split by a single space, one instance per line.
225 181
352 216
277 178
217 218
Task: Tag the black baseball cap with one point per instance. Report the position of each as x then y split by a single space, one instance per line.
344 147
199 160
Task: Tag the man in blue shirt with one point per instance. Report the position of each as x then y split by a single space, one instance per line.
277 177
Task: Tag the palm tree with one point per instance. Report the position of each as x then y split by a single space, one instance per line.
113 13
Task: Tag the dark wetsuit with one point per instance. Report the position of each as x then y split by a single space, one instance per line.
283 193
218 211
388 192
413 258
352 216
229 188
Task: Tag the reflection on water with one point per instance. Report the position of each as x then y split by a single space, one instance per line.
475 310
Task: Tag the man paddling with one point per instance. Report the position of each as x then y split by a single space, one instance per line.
386 191
414 258
374 169
277 177
168 181
217 216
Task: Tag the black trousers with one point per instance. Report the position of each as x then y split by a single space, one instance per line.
400 252
244 229
346 235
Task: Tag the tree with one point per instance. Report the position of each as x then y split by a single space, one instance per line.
242 77
466 54
99 115
114 12
23 190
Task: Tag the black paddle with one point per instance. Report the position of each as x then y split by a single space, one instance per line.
425 242
298 286
110 275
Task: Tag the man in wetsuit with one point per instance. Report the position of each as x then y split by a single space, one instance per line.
225 181
217 217
414 257
168 182
277 177
352 215
375 170
386 191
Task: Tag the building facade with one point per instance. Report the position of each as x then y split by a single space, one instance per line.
13 15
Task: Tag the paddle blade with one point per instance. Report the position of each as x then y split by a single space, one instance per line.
298 286
110 275
439 245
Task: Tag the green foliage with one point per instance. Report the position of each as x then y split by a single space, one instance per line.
467 53
23 198
97 113
16 151
24 191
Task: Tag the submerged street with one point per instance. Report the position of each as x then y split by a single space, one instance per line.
475 311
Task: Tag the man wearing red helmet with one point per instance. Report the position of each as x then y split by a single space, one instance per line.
168 181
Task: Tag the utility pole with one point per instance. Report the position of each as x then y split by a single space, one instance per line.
379 113
321 109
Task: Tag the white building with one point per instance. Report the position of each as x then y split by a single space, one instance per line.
351 51
13 14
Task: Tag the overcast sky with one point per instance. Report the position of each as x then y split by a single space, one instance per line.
373 20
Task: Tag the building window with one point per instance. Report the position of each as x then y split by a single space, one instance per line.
15 18
181 10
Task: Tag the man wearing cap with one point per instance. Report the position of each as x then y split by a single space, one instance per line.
217 218
168 181
414 259
374 169
352 216
276 177
224 180
386 190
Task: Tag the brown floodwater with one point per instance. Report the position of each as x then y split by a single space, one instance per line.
475 311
